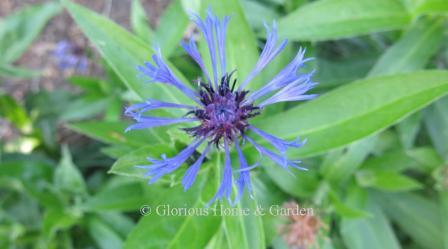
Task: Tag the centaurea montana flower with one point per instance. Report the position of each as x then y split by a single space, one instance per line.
70 56
223 110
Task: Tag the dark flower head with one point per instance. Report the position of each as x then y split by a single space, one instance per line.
70 56
223 115
223 108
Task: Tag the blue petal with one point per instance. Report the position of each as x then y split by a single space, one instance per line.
269 52
221 30
193 51
165 166
244 179
225 189
206 27
192 171
159 71
152 104
280 144
292 92
285 77
281 160
144 122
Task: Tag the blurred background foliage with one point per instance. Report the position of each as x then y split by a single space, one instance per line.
378 135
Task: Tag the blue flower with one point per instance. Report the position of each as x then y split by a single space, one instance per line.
70 56
222 112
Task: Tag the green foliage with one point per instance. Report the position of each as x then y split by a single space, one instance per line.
377 134
327 19
140 23
18 31
356 110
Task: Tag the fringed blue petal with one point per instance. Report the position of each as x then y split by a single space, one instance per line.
281 160
269 52
225 189
288 75
193 51
159 71
279 144
206 26
243 182
144 122
165 166
152 104
221 31
192 171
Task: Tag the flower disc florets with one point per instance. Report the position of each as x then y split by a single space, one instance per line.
224 115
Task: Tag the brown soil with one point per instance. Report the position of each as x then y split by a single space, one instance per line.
62 27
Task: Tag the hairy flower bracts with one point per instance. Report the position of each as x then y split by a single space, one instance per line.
220 118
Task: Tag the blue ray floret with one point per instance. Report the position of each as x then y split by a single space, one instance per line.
221 117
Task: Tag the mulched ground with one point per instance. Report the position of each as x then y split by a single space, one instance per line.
62 27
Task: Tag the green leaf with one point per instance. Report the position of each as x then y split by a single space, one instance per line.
431 7
84 108
140 23
218 241
11 71
369 233
386 181
331 73
172 26
116 151
119 222
103 235
57 219
356 110
416 216
123 52
340 167
257 14
191 5
92 86
290 183
436 121
27 169
244 231
398 160
443 196
34 176
14 113
19 30
344 209
127 196
113 133
408 129
67 177
240 38
413 50
267 195
161 230
334 19
125 165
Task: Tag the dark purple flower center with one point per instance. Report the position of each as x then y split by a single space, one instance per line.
224 115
